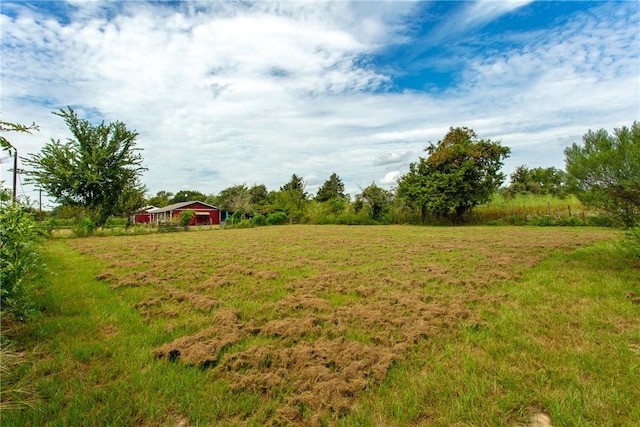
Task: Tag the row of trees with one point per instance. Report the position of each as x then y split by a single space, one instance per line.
99 170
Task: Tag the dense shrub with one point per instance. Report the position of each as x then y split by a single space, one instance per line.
19 259
602 221
83 227
186 217
276 218
259 219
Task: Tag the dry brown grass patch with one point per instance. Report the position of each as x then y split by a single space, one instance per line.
319 313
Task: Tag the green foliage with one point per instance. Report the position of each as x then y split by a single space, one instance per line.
276 218
333 188
542 181
236 199
291 199
94 170
259 219
186 217
187 196
532 209
19 259
546 221
84 227
631 242
161 199
460 173
131 200
605 171
259 196
375 201
5 145
245 223
296 185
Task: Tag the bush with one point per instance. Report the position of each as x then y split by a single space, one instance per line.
259 219
602 221
186 217
84 227
546 221
276 218
19 260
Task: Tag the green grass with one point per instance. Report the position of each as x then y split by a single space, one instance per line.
557 335
565 344
536 210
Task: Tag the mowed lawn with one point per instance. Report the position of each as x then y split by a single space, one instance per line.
336 325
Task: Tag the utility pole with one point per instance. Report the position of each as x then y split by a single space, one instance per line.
40 195
15 175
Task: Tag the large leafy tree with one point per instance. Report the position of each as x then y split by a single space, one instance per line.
235 199
161 199
94 169
296 186
605 171
543 181
333 188
292 197
377 201
461 172
188 196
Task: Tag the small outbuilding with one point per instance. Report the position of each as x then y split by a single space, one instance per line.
204 213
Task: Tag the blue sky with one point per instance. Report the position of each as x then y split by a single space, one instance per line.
224 93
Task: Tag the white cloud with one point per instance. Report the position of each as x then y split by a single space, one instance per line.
391 177
475 14
224 94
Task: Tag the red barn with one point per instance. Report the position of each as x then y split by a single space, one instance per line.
143 216
205 214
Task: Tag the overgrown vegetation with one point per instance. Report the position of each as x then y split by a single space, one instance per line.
605 172
19 259
19 236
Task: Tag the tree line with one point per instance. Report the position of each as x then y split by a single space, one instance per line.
98 170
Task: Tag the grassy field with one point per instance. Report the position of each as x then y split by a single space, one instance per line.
335 325
530 209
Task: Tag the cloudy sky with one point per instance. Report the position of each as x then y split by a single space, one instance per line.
224 93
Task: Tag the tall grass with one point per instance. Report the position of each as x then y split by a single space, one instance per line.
16 391
529 209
